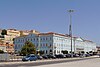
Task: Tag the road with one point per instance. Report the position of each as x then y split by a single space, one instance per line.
84 63
57 62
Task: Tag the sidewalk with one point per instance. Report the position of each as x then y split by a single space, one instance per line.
46 60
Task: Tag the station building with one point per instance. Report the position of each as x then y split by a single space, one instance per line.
55 43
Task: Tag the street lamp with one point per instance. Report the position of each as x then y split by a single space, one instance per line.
70 29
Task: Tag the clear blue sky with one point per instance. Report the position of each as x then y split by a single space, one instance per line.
52 15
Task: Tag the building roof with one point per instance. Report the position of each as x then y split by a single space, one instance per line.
66 35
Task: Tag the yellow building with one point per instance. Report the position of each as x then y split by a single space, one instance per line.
7 40
27 32
11 34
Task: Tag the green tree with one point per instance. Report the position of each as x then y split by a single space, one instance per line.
1 42
90 52
28 48
82 52
64 52
4 32
41 52
1 51
87 52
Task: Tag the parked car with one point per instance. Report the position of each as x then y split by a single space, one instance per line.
60 56
45 57
39 57
75 55
29 58
68 55
91 54
51 56
87 55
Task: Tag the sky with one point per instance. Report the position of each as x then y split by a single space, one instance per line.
53 16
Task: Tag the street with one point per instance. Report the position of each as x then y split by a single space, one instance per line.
69 62
84 63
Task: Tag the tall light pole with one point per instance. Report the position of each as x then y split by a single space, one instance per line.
70 29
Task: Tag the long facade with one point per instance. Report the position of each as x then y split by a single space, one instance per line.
54 43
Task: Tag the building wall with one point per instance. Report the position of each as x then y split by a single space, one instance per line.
52 43
9 48
61 43
3 48
13 32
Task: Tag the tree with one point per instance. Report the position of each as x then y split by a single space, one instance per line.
1 51
41 52
82 52
1 42
90 52
64 52
28 48
87 52
4 32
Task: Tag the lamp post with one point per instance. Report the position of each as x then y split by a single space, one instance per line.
70 29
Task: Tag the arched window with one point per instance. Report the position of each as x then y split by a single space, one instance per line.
46 51
50 50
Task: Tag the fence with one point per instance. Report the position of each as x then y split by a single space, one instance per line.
4 57
10 57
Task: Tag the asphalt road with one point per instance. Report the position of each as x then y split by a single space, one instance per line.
84 63
37 63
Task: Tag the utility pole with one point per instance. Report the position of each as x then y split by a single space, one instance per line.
70 29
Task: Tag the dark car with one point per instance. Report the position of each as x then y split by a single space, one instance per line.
57 56
39 57
45 57
60 56
91 54
87 55
68 55
29 58
75 55
51 56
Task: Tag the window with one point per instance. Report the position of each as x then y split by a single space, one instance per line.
31 39
25 39
43 38
50 45
50 50
34 39
46 38
37 39
46 44
28 39
37 45
57 51
46 51
41 45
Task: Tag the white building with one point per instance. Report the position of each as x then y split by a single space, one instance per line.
54 43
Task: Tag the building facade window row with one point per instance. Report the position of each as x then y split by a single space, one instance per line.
55 43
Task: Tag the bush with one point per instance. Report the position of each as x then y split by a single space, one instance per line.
64 52
1 51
